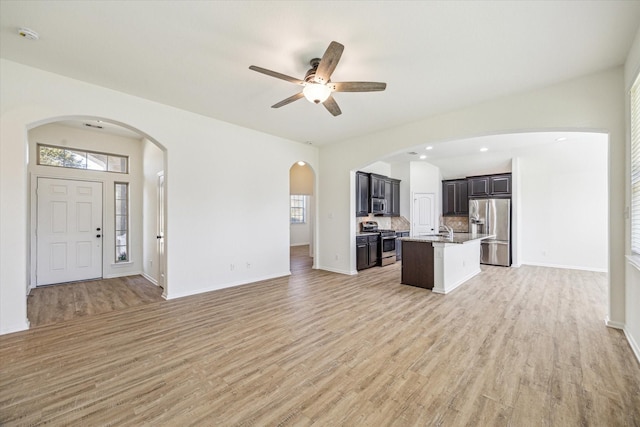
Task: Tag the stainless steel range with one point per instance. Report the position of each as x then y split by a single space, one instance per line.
387 247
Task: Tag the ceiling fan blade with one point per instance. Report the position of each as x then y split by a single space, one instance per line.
331 105
357 86
289 100
276 75
328 62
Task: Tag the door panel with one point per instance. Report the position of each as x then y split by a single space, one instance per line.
423 214
69 221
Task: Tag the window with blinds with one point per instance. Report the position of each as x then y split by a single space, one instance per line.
635 167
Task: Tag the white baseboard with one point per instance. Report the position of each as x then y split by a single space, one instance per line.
633 344
630 339
438 290
337 270
17 327
216 287
567 267
149 278
612 324
128 273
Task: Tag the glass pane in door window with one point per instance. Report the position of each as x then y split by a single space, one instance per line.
97 162
117 164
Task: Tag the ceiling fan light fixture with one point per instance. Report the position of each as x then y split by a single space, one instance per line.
316 93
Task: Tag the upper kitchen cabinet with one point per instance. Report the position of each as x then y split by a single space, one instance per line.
377 185
362 194
500 185
490 185
478 186
454 197
392 197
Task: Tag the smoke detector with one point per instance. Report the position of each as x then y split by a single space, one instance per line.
28 33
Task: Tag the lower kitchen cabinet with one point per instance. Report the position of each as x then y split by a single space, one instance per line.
418 265
367 251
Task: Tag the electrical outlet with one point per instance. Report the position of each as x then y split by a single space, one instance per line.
337 257
232 267
248 265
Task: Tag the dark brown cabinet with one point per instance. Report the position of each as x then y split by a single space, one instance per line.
385 190
478 186
418 264
454 197
490 185
500 185
362 194
367 251
392 196
377 185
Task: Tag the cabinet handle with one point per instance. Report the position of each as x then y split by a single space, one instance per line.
98 235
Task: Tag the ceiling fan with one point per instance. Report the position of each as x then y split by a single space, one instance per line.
317 84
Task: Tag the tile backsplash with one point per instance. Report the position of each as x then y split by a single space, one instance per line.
460 224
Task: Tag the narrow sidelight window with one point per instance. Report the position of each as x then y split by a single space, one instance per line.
122 221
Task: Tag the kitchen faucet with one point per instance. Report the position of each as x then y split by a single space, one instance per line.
448 229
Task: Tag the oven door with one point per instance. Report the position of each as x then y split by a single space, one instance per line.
387 250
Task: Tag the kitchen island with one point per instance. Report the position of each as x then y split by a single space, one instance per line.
441 263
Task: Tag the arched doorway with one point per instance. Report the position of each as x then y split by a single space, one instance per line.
127 168
301 216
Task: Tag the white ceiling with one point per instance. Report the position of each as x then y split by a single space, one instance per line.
435 56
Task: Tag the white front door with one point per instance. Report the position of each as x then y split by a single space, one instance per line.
69 231
424 221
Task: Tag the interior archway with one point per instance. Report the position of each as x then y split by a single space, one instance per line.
147 161
302 209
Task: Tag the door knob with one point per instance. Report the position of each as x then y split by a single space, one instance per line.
98 235
158 237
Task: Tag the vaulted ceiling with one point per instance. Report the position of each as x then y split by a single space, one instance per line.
435 56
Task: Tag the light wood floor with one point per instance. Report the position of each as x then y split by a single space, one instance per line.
59 303
520 347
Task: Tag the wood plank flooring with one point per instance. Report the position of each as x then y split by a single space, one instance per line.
59 303
514 346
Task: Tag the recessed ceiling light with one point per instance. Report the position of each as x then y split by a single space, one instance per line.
483 149
28 33
429 148
423 157
562 138
301 163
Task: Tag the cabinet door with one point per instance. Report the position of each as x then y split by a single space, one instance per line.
362 255
395 198
479 187
500 185
462 198
376 183
374 242
448 197
388 196
362 194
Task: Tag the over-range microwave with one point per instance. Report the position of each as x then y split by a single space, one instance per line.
378 206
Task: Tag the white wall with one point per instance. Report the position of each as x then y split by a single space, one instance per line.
563 204
594 102
153 163
215 184
70 137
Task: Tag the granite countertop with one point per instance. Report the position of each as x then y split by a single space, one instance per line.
457 238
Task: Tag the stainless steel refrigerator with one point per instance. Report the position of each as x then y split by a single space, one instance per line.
492 216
